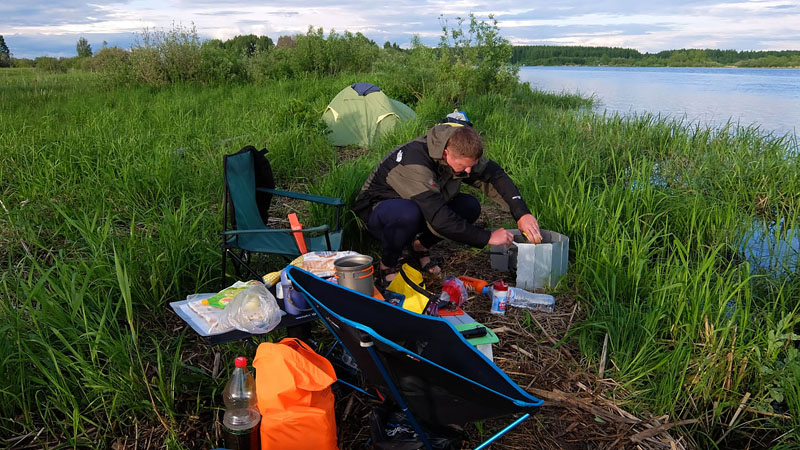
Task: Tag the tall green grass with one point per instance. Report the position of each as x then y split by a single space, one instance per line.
111 209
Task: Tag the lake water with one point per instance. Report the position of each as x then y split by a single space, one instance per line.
766 98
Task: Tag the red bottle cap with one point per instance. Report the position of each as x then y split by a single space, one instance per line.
500 286
240 361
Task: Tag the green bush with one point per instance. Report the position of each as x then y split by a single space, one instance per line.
471 61
477 59
147 66
22 62
162 57
408 75
49 64
218 65
277 64
114 64
346 52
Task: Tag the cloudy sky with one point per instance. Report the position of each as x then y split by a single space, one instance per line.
36 27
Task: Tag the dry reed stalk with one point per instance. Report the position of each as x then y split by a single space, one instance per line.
658 429
524 352
603 355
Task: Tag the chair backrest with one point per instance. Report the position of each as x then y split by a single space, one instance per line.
244 171
442 378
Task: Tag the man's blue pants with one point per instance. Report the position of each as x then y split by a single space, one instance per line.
397 222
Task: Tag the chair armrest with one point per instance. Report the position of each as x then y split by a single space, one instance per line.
333 201
324 228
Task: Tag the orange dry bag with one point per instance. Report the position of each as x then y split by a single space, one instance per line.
293 384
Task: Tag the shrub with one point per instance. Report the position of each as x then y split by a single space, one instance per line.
408 75
114 64
350 52
338 53
161 57
147 66
218 65
49 64
248 45
22 62
478 59
277 64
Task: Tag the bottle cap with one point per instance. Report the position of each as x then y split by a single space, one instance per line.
240 361
500 286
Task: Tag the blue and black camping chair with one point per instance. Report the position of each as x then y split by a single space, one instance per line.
434 375
249 187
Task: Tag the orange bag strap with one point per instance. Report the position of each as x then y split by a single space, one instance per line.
310 355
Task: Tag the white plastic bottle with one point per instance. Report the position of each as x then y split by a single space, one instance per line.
520 298
499 293
242 419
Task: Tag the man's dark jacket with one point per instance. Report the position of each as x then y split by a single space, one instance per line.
417 171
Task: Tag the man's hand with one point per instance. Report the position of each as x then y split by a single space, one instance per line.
528 225
501 237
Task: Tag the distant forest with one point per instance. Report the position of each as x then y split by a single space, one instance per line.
549 55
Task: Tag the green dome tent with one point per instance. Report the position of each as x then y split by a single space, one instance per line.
361 114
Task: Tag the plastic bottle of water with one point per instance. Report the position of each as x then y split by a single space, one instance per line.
242 419
520 298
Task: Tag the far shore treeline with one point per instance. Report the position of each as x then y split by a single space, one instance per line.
550 55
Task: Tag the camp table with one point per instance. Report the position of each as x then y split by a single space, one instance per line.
293 324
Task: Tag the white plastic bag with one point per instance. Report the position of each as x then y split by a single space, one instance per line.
253 310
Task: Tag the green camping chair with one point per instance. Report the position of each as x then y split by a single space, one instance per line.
249 187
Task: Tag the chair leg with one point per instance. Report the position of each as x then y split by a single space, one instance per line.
224 267
398 397
502 432
240 261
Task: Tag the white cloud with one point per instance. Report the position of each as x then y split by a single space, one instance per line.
658 25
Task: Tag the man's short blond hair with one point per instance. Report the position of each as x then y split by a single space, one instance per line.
466 142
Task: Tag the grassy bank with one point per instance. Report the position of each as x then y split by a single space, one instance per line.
111 207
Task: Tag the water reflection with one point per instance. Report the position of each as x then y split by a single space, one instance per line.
772 248
764 98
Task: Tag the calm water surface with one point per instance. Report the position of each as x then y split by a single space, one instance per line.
767 98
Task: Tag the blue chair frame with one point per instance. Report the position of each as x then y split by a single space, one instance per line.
436 377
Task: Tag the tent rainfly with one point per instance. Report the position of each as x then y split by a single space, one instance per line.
361 114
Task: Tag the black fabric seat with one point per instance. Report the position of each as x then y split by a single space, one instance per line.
423 362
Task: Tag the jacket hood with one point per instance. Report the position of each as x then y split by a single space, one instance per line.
437 138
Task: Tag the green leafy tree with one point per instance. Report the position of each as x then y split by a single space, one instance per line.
478 58
83 48
248 45
5 53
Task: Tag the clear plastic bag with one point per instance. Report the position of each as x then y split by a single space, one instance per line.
253 310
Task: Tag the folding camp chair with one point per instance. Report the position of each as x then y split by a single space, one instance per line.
249 187
432 372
